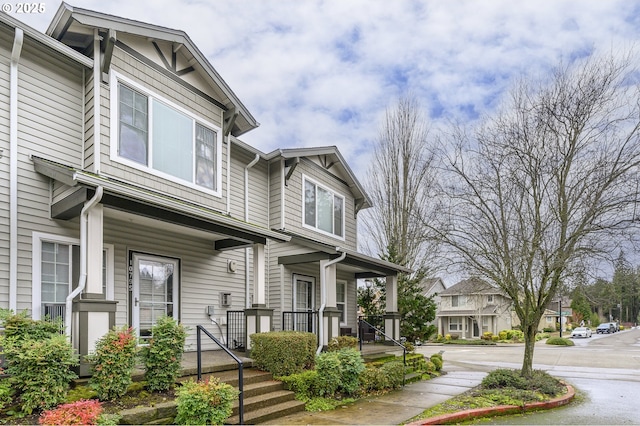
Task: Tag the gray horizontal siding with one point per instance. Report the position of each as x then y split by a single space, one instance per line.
293 205
5 44
161 85
203 271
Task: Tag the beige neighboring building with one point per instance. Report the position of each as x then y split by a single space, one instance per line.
471 307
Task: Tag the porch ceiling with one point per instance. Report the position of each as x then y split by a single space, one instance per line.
146 203
487 311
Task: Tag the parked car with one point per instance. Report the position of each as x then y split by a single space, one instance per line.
581 332
606 327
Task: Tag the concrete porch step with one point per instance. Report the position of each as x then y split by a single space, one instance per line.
269 413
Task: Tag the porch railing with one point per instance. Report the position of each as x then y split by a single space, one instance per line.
299 321
200 329
236 331
364 325
54 312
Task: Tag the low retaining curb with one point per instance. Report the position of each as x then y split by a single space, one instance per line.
497 410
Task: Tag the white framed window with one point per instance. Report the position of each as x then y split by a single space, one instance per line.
341 300
323 209
455 301
153 134
455 324
54 258
490 298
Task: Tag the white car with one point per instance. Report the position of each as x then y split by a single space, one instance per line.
581 332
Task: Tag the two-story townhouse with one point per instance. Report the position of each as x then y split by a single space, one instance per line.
130 194
471 307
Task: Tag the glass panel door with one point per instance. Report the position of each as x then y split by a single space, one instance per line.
303 302
154 291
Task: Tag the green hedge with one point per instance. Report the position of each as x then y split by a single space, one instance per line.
559 341
283 353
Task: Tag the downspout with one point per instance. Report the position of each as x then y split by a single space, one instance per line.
83 258
323 296
228 173
246 219
13 169
97 97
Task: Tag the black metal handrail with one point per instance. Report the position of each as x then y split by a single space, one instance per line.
200 329
395 342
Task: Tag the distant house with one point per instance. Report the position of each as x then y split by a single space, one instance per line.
433 286
471 307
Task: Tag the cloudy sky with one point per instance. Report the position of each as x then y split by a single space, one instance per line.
323 72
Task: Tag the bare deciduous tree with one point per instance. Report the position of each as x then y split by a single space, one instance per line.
400 183
544 185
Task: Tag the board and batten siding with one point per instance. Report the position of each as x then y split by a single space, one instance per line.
294 201
128 66
203 272
5 61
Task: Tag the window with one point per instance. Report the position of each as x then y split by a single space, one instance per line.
490 298
323 209
54 270
341 300
454 301
165 139
455 324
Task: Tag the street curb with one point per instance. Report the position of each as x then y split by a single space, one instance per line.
498 410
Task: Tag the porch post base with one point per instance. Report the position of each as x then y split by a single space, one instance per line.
331 324
392 326
92 319
258 319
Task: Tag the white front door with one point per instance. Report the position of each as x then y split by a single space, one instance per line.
154 291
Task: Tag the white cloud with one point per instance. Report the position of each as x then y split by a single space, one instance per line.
323 72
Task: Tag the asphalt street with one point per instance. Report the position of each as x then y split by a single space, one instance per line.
605 370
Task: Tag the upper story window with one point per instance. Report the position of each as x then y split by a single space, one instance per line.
454 301
164 139
323 209
490 298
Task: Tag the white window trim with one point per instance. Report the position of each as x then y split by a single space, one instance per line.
458 322
336 194
457 299
37 238
343 282
115 78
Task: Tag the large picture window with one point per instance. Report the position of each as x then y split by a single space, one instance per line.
323 209
455 324
163 138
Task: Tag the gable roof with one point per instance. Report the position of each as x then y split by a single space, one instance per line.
331 157
72 25
471 286
433 285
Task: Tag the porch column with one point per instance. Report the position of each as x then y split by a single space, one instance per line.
259 318
392 316
330 315
93 315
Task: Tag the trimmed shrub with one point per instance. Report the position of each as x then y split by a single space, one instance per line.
283 353
487 335
503 335
495 338
204 403
394 372
549 329
114 359
40 370
436 359
163 356
409 346
543 382
430 367
373 379
342 342
559 341
338 372
83 412
502 378
302 384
